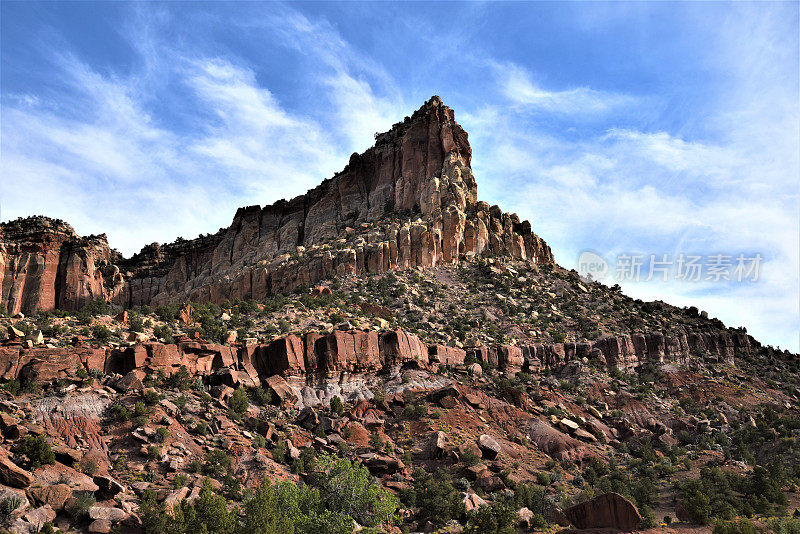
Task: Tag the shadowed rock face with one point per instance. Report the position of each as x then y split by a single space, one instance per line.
610 510
411 200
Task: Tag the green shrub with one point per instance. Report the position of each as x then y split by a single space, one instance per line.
217 463
162 433
434 496
181 380
150 397
336 405
164 332
8 504
80 508
88 467
347 488
238 402
263 397
742 526
497 518
12 386
201 428
292 508
101 332
37 450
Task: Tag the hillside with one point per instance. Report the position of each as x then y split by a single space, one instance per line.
389 337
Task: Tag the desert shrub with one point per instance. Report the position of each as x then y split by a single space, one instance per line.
279 451
201 428
135 323
181 380
786 525
415 411
150 397
217 463
168 312
742 526
97 307
88 467
8 504
348 488
162 433
336 405
532 497
292 508
80 508
119 412
497 518
262 396
37 450
101 332
13 386
238 402
434 496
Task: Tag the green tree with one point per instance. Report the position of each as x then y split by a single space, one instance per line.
348 488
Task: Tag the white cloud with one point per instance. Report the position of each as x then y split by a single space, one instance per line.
517 86
627 191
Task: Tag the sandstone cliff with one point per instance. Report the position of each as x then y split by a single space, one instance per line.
44 264
409 201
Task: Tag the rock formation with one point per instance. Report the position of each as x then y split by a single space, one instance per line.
409 201
44 264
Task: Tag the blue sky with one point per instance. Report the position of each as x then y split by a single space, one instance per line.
648 127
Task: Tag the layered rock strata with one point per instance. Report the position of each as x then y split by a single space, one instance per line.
313 356
409 201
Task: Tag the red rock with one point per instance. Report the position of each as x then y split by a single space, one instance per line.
375 309
281 390
55 495
49 266
556 444
44 264
609 510
445 355
186 315
11 474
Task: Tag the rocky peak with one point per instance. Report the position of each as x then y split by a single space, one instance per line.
409 201
35 227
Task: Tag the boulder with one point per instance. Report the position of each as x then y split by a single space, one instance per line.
39 516
609 510
475 370
100 526
11 474
55 495
281 390
488 446
107 487
472 501
524 517
110 513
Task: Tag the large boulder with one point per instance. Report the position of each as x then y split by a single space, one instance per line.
13 475
609 510
488 446
55 495
281 390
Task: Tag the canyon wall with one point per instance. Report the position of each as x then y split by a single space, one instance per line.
409 201
315 356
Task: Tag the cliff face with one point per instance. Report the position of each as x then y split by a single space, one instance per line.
411 200
45 265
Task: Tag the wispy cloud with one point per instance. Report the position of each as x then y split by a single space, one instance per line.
517 86
626 190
